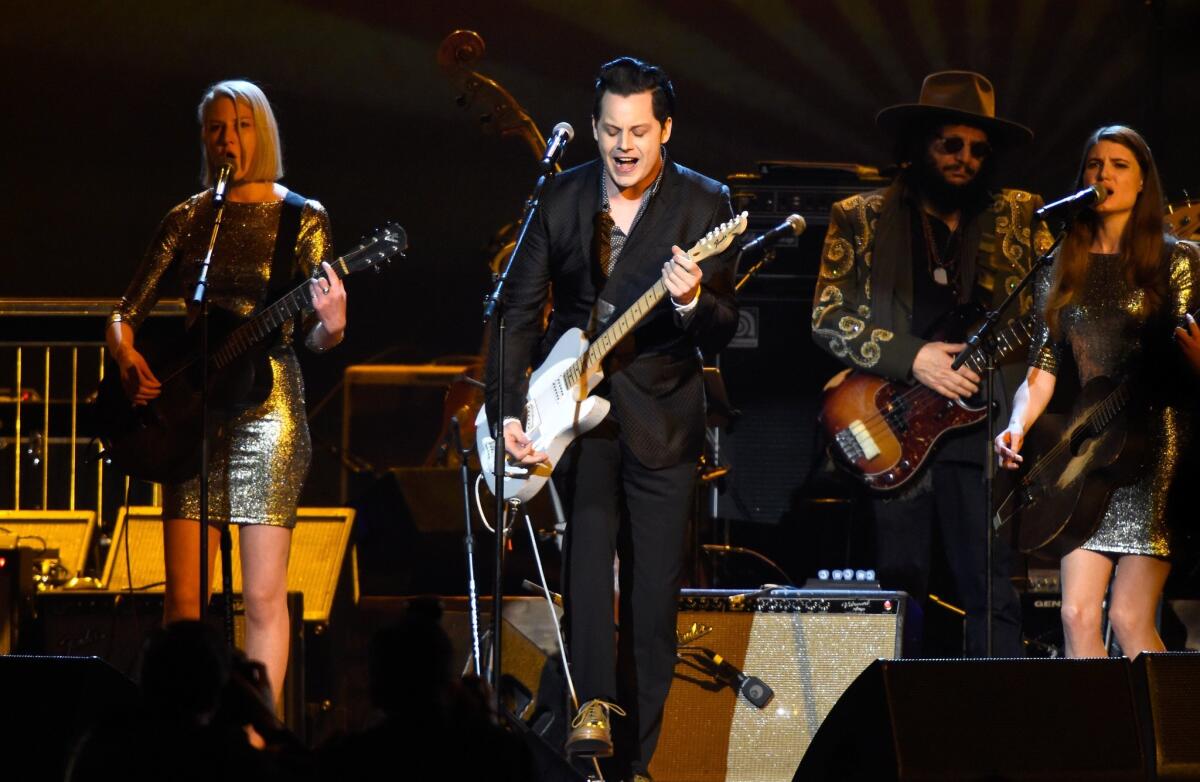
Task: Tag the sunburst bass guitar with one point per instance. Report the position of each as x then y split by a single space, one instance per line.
882 431
558 407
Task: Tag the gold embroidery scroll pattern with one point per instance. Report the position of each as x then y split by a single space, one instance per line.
1012 230
1011 208
838 258
848 329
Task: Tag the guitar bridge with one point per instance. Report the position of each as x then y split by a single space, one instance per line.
856 442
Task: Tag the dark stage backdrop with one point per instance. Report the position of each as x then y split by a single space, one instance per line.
99 136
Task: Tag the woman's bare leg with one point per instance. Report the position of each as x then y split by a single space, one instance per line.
1136 591
1085 576
181 550
264 588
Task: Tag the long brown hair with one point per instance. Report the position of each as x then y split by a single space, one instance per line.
1141 241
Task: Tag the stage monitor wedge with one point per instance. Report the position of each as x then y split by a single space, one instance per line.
960 720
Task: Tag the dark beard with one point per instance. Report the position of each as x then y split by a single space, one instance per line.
928 183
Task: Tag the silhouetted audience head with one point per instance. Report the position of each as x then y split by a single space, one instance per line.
185 668
411 661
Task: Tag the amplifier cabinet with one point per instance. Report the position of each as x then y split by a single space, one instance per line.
808 646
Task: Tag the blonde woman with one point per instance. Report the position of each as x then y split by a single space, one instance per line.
260 457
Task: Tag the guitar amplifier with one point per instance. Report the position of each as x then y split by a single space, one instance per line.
774 446
392 415
778 188
807 646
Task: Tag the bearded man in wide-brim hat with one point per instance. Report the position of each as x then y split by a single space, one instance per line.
895 263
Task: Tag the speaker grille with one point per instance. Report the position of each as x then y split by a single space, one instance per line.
808 650
318 550
68 531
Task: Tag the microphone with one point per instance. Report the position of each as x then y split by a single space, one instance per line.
556 144
793 226
751 688
1073 203
223 176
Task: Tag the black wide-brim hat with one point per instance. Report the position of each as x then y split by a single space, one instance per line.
954 98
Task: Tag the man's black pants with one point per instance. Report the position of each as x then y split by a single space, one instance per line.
615 504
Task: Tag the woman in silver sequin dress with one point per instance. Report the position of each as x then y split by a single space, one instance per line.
260 458
1117 283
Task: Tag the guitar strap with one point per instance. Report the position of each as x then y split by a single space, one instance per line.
283 275
283 262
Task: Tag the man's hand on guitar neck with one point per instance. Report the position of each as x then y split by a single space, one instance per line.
931 368
519 446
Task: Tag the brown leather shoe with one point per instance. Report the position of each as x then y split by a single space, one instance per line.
591 730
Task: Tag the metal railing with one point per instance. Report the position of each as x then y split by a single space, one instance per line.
49 455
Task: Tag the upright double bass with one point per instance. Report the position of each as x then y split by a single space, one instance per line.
497 112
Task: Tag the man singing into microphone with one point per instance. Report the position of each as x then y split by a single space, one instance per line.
895 262
606 232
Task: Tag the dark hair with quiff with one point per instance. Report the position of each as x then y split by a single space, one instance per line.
626 76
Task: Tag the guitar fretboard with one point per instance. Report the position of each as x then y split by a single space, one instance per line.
386 243
260 326
614 334
1108 409
1005 342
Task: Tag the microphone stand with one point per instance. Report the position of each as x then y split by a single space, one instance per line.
200 298
982 340
469 539
494 308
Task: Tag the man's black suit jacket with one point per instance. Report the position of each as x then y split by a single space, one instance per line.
654 378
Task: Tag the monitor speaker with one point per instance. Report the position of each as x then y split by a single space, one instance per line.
1168 687
976 720
49 703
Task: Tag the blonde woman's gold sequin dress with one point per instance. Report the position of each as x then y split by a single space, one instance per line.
260 458
1104 328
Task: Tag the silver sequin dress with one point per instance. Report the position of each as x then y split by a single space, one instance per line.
1103 330
261 457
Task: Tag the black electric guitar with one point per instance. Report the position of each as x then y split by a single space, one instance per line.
1072 464
160 441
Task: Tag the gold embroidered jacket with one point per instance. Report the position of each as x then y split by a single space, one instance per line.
862 308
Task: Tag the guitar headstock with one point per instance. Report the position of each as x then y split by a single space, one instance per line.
375 249
718 239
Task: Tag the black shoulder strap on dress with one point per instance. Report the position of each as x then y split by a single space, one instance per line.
283 263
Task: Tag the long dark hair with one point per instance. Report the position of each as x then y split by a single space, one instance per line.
1141 241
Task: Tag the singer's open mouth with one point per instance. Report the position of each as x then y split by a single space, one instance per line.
625 165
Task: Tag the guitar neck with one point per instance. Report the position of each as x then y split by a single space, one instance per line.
1006 341
1108 408
259 327
715 241
603 344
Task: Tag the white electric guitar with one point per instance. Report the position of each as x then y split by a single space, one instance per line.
558 408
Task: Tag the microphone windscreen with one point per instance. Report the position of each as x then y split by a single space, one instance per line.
1101 192
797 223
565 128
